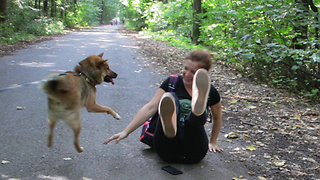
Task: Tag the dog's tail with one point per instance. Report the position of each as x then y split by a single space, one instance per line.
54 84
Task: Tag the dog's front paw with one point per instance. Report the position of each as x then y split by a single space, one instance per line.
117 117
80 149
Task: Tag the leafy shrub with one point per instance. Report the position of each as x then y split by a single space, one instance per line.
257 38
88 14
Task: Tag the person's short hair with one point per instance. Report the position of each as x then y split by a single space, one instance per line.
202 57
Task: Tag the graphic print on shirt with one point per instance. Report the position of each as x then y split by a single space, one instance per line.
185 108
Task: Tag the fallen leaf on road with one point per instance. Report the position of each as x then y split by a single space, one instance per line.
279 163
252 107
309 159
236 149
240 178
20 108
84 178
67 159
5 162
267 156
251 148
261 178
231 135
297 118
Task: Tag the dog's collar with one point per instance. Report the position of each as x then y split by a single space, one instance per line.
80 74
88 77
67 74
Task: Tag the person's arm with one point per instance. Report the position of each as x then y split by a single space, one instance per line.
216 126
143 114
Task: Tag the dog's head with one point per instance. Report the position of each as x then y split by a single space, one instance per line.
96 69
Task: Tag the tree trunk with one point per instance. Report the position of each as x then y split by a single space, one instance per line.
39 7
3 10
301 30
75 7
53 6
45 7
304 6
315 9
102 13
196 22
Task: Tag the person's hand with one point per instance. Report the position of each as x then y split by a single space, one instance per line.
117 137
213 147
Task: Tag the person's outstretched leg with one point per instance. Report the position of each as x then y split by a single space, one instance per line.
168 148
200 92
168 116
195 145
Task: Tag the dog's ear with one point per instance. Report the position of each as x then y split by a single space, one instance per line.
100 55
86 63
81 63
101 63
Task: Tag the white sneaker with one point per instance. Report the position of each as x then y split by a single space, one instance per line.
167 114
200 92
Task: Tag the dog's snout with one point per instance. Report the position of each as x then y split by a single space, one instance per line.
115 75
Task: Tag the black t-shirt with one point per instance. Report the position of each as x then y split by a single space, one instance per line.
182 93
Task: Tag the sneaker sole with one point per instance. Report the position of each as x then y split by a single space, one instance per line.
167 113
203 84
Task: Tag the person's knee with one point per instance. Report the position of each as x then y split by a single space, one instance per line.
197 121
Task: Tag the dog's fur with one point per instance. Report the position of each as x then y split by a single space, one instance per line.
69 92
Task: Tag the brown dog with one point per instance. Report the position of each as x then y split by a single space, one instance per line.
69 92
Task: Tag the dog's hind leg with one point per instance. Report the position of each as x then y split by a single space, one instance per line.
75 124
76 127
52 123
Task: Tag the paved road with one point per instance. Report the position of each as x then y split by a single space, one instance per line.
23 133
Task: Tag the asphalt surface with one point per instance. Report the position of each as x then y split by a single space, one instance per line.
23 133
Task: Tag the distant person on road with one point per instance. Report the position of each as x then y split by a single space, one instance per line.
180 136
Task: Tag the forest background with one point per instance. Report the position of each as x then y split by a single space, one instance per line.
275 42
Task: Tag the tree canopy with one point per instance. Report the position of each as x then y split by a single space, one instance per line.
271 41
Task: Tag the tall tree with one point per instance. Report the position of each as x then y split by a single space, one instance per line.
39 7
45 7
3 10
102 13
300 27
74 6
53 8
196 21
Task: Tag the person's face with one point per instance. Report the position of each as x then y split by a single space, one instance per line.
188 72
